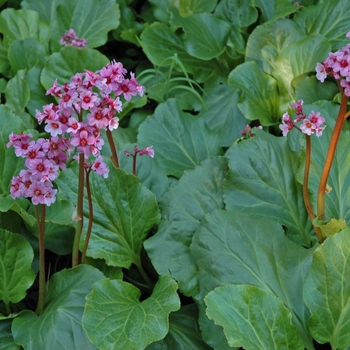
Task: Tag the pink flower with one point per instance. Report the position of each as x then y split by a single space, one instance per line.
307 127
88 99
100 167
148 150
321 73
287 124
70 38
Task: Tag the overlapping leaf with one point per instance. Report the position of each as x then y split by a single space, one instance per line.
10 164
46 9
329 18
184 332
124 212
114 317
183 206
159 35
6 339
62 314
222 114
23 24
16 274
252 318
243 248
327 291
256 184
89 21
206 35
69 61
181 140
260 97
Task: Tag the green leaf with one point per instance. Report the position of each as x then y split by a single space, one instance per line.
184 332
310 90
46 9
90 22
17 92
189 7
62 314
274 9
239 13
183 206
25 54
267 41
260 97
252 318
4 62
329 18
205 35
114 317
69 61
6 339
255 185
159 35
330 228
16 274
23 24
327 292
299 58
180 140
233 247
222 114
124 213
38 97
10 164
147 169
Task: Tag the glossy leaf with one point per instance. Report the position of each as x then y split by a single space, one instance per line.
17 92
184 332
180 140
188 7
183 206
331 19
252 318
23 24
259 98
274 9
69 61
252 249
16 274
258 161
6 339
159 35
10 164
124 213
114 317
327 291
46 9
239 13
89 21
205 35
62 313
222 114
267 41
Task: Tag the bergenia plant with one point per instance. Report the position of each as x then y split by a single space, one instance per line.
87 105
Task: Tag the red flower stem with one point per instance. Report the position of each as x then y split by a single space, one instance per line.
42 280
306 187
342 115
134 163
80 211
91 216
113 148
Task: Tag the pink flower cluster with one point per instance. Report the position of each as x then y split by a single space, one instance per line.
337 65
247 131
90 95
310 125
70 38
44 158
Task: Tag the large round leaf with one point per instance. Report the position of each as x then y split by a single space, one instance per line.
115 318
183 206
16 274
327 291
252 318
124 213
180 140
59 326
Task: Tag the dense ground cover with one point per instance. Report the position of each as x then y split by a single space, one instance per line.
161 206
